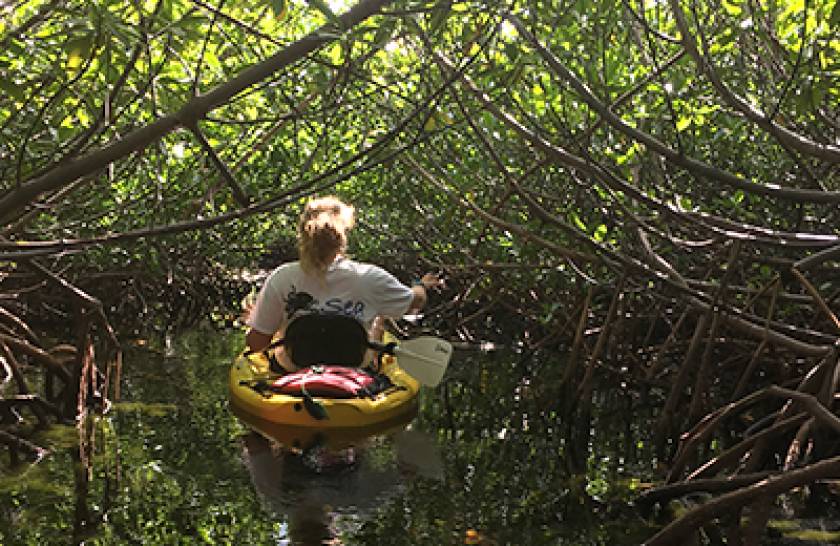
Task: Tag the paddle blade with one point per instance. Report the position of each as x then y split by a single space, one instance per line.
424 358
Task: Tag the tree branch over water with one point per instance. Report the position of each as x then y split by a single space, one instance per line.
187 115
641 200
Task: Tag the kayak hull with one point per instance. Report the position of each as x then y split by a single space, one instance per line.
335 438
288 410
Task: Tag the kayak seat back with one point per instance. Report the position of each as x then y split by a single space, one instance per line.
326 339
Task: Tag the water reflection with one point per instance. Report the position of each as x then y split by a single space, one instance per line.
485 459
324 489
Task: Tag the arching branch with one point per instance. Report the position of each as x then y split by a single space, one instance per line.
826 152
187 115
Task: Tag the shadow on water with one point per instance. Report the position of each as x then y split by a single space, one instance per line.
487 460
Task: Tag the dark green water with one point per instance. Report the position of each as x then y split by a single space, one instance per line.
485 461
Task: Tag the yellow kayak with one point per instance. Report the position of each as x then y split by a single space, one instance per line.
337 438
249 400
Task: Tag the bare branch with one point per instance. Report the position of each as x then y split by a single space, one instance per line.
226 173
677 531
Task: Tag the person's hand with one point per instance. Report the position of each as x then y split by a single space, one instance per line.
431 280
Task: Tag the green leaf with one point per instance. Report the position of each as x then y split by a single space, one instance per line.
732 7
83 117
383 35
834 19
439 17
683 124
279 7
211 60
818 91
324 8
600 233
11 88
77 51
335 54
431 124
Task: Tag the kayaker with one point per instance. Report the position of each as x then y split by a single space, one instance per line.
325 280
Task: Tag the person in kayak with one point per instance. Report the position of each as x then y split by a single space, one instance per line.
324 280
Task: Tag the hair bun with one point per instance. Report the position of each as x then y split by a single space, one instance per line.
322 232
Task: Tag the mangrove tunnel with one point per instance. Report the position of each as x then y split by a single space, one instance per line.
636 202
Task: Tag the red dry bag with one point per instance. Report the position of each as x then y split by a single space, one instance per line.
327 382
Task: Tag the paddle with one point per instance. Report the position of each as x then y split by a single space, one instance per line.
424 358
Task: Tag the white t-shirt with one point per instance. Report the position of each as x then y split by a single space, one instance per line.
350 288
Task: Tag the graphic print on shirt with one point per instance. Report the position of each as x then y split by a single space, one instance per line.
297 302
355 309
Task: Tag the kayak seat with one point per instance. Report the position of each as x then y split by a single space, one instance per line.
326 339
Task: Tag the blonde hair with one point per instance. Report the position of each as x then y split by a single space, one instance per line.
322 232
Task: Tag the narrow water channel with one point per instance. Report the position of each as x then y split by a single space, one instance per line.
484 461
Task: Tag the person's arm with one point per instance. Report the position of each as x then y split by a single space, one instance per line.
266 316
421 288
377 328
256 340
391 298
